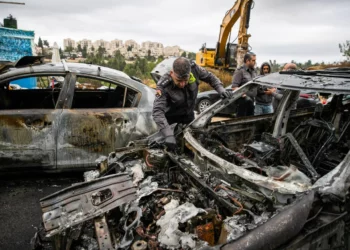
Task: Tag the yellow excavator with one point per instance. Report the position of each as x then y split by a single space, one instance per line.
229 55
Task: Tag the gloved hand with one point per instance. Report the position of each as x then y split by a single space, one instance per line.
226 94
170 142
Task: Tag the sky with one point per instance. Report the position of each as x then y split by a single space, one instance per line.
280 30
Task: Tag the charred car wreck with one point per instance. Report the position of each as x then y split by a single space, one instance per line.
277 181
73 113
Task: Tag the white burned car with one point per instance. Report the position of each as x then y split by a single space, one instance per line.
72 114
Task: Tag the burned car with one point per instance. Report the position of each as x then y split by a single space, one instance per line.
69 115
276 181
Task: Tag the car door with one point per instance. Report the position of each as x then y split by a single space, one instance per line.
98 116
28 124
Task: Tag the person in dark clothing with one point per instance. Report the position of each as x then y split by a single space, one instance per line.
277 95
241 76
263 100
176 95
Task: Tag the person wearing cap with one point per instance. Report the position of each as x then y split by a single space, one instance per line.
176 95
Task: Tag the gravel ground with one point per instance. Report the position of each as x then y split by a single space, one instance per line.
20 211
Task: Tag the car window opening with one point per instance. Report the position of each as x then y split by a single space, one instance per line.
94 93
42 92
31 93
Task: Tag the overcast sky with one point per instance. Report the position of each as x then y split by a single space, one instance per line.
281 30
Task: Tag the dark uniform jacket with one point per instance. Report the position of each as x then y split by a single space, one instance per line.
242 76
172 102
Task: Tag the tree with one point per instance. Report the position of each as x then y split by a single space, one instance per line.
92 50
79 48
60 52
101 51
275 67
191 56
117 61
84 51
160 58
46 43
132 70
40 43
129 48
307 64
149 56
68 49
142 64
183 54
345 49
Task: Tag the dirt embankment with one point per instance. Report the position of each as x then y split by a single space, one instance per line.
327 66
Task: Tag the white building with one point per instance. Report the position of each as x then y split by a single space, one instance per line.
116 44
172 51
157 52
156 49
152 45
123 50
68 43
131 43
85 42
101 43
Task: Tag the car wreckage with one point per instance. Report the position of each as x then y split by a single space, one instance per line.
276 181
74 113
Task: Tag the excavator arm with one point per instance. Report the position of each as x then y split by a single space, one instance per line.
241 9
228 55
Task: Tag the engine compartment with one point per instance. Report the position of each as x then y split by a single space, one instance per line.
231 185
177 206
314 144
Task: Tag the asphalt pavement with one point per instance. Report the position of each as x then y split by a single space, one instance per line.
20 212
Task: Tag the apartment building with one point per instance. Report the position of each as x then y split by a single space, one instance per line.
172 51
68 43
85 42
156 49
131 43
101 43
151 45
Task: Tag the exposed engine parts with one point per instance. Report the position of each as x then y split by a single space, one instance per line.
314 147
228 186
176 206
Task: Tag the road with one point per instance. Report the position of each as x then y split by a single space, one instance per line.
20 211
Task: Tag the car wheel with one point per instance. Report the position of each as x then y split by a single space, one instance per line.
203 105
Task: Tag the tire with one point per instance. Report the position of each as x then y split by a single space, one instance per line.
203 105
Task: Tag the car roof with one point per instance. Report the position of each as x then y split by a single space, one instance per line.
62 68
86 70
330 81
162 68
